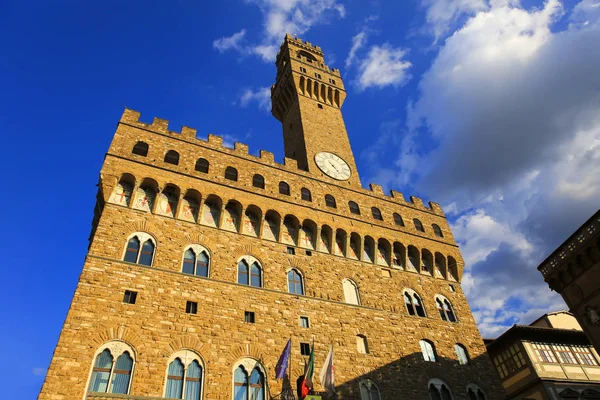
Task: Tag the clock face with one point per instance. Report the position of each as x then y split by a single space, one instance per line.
333 166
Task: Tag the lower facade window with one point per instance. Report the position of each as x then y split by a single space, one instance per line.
369 390
184 377
248 386
438 390
112 369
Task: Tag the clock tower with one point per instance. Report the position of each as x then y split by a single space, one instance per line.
307 98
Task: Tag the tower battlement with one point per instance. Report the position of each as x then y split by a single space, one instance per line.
161 126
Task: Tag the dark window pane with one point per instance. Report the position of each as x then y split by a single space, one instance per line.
258 181
202 265
255 278
172 157
141 149
147 253
243 273
189 259
202 165
231 174
133 247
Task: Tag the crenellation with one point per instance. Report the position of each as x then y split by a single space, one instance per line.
417 202
216 140
436 208
290 163
160 125
376 189
240 148
188 133
267 156
398 196
130 116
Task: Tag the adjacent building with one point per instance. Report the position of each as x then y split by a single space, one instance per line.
573 270
550 359
204 260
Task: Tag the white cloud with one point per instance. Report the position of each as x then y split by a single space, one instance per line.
383 66
261 96
511 112
441 14
286 16
231 42
39 371
358 41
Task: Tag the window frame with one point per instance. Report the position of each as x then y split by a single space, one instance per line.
430 352
284 188
294 282
418 225
376 214
258 181
197 249
145 149
368 384
231 174
207 167
248 365
329 200
412 297
467 359
116 349
354 207
171 157
446 310
305 194
249 260
437 230
186 357
142 238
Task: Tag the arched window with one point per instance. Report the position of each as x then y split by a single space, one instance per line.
172 157
361 344
284 188
445 308
295 285
184 376
351 295
305 194
438 390
437 230
428 350
369 390
413 302
330 201
354 209
258 181
231 174
249 272
133 253
112 369
418 225
202 165
398 219
249 385
461 353
376 213
196 261
140 148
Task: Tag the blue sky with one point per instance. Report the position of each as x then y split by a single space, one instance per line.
489 107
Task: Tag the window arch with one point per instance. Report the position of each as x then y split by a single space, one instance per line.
413 302
172 157
461 353
112 368
249 380
258 181
398 219
376 213
305 194
475 393
295 282
438 390
140 148
437 230
330 201
445 308
249 272
369 390
354 208
351 294
185 376
202 165
428 350
418 225
196 260
136 242
284 188
231 174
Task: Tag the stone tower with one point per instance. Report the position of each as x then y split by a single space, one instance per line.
205 260
307 98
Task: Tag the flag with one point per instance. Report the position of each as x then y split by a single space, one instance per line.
327 376
282 364
307 381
